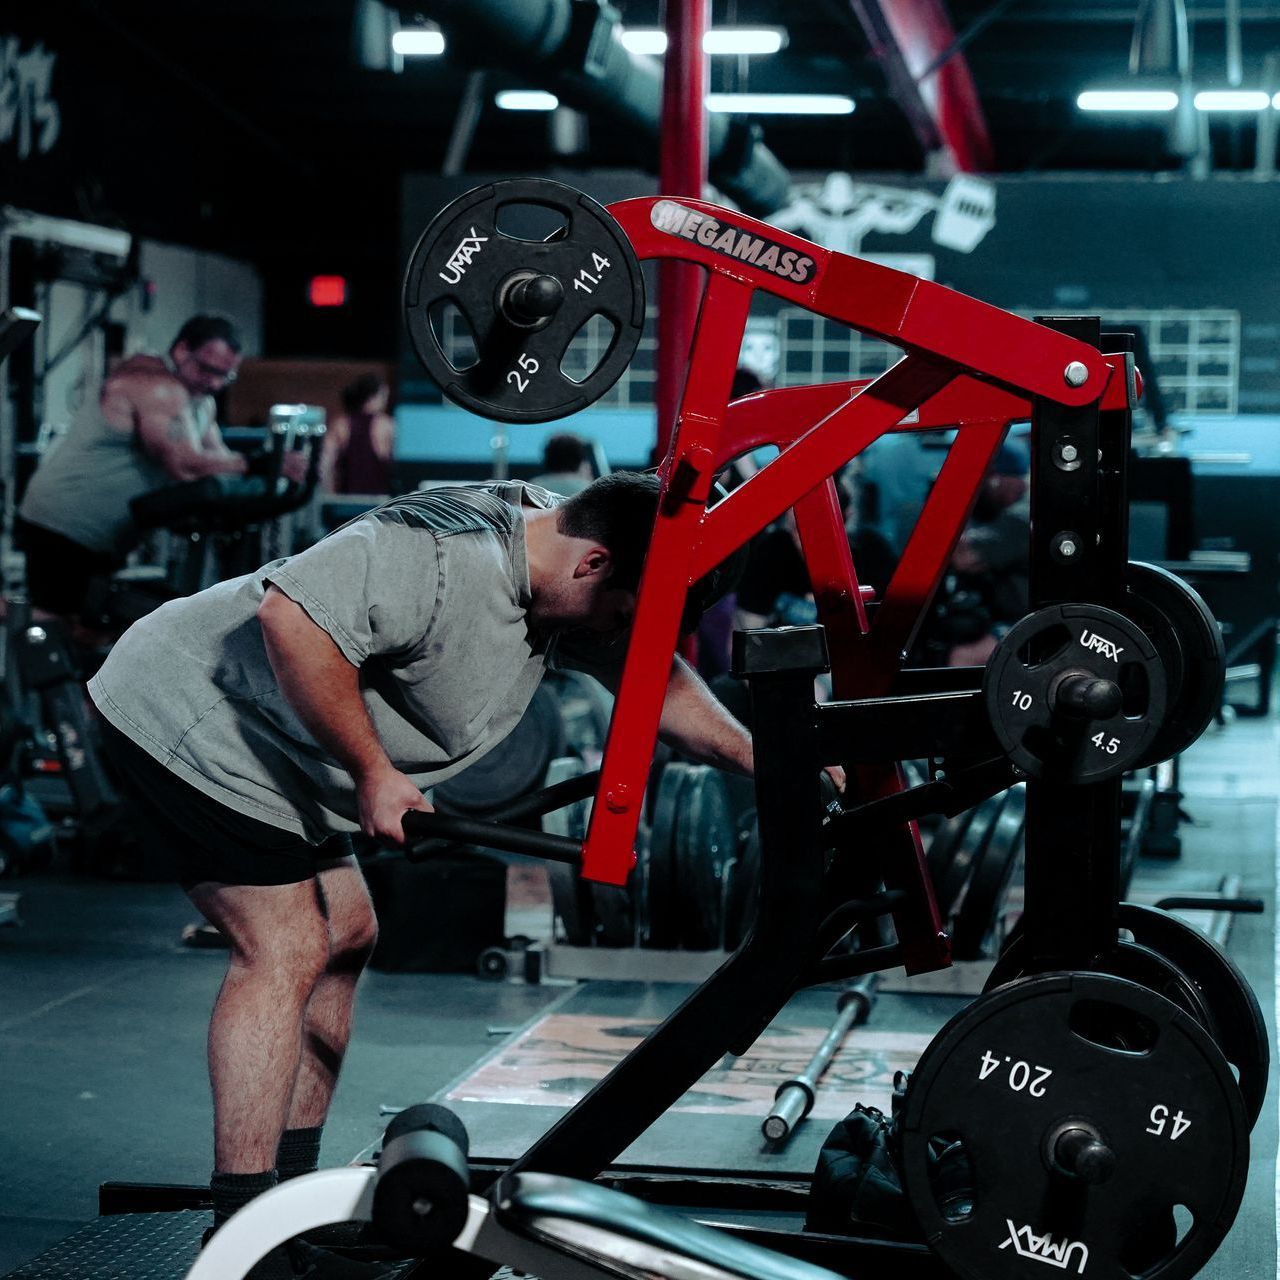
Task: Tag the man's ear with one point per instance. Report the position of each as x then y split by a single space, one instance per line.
595 562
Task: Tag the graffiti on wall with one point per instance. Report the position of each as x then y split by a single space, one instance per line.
29 115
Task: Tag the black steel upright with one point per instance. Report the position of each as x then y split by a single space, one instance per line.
732 1008
1079 549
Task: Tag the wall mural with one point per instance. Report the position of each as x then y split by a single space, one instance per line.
30 116
840 212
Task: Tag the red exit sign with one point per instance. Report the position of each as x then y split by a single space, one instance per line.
328 291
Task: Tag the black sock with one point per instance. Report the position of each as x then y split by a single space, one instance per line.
232 1191
298 1152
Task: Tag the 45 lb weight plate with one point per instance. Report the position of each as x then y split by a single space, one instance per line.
1102 1128
523 301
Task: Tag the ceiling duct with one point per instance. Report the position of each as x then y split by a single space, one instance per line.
573 49
1161 49
372 26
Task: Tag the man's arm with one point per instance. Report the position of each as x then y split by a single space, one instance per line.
697 722
166 431
324 689
212 442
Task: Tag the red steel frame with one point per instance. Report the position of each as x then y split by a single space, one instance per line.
967 365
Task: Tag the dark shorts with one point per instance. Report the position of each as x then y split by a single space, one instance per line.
206 840
59 569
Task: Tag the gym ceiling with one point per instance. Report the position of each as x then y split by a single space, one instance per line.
282 76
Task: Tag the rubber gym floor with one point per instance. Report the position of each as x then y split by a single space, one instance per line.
103 1017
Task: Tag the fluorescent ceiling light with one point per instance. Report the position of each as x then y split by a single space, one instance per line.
783 104
645 40
1127 100
1275 102
526 100
743 40
718 41
418 43
1231 100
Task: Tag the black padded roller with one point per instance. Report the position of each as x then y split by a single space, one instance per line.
420 1200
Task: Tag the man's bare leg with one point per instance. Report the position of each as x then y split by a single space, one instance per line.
279 950
352 930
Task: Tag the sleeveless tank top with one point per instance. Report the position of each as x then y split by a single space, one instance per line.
84 484
359 469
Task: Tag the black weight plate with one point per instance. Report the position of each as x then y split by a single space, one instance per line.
988 886
513 768
1130 961
706 839
1173 614
1008 1075
950 852
465 260
660 911
571 896
744 886
1239 1027
1023 680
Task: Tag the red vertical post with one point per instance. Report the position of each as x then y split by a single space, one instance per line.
682 172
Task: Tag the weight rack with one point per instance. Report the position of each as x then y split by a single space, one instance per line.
969 366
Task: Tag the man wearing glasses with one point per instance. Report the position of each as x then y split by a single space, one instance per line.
153 424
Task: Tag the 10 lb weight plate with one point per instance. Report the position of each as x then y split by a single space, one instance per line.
523 301
1075 692
1102 1128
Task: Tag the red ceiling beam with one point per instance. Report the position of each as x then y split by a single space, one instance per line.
940 101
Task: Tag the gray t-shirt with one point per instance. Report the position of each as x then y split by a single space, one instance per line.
426 594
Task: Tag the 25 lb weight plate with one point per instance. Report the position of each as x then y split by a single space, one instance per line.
1188 638
523 301
1075 692
1128 960
1103 1132
1236 1019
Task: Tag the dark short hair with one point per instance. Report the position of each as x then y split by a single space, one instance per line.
617 511
564 452
355 394
201 329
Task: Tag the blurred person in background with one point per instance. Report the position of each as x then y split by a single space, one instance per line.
360 443
566 464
